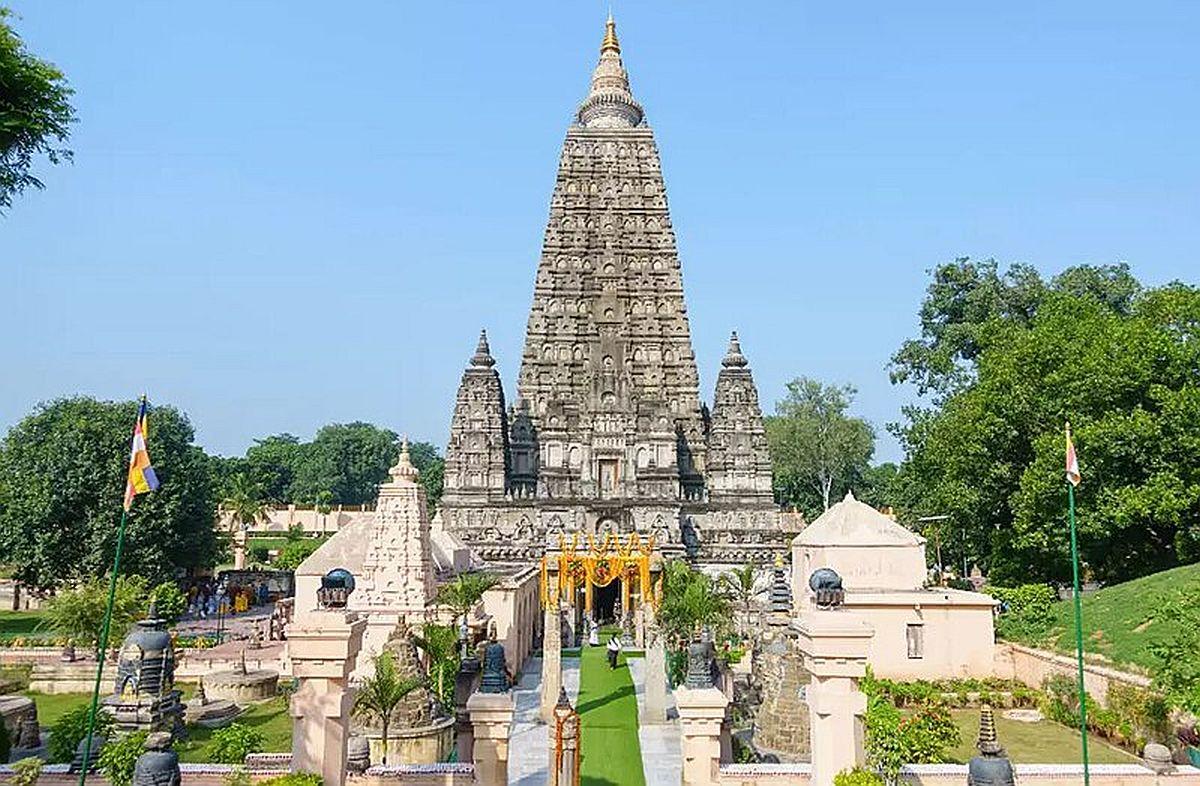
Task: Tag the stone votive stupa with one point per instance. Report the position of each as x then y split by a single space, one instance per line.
240 684
144 697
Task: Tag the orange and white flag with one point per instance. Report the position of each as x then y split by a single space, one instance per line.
1073 476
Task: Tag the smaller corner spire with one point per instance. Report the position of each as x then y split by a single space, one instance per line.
483 353
404 471
733 356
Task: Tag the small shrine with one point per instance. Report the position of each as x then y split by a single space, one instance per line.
144 697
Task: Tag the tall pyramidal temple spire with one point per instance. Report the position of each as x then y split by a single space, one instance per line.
610 102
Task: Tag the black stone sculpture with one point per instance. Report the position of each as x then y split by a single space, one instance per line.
826 585
159 765
336 586
495 669
700 656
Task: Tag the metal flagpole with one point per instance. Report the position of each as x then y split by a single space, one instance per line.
112 593
1078 633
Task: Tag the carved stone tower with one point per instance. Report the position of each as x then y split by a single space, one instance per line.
609 432
739 465
477 455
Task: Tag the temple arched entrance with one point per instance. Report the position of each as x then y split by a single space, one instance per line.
605 603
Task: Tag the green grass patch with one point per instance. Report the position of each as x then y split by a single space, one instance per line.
1044 742
270 718
52 706
607 707
23 625
1119 621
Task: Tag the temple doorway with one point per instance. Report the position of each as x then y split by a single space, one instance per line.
606 602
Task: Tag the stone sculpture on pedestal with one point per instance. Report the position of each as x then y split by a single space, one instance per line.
991 767
159 765
495 670
144 696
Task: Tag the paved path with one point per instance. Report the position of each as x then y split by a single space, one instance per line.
528 738
662 755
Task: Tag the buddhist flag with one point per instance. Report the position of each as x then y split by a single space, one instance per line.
141 474
1073 476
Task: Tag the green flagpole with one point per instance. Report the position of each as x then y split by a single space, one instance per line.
1078 634
112 594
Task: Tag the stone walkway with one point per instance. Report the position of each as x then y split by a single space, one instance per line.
529 739
662 755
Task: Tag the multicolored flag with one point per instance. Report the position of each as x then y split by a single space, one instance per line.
1073 476
141 473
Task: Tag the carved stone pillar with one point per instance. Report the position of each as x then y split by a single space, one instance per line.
701 719
656 681
491 716
465 684
551 663
835 644
323 646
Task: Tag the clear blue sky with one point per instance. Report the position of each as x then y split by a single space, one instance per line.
283 214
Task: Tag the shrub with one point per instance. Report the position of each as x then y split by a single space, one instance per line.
70 729
233 743
1026 612
295 552
119 757
169 601
237 777
26 772
893 740
260 555
293 779
857 777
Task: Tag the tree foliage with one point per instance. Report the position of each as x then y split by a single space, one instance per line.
465 590
35 113
818 450
344 464
78 612
1009 359
691 600
380 694
64 469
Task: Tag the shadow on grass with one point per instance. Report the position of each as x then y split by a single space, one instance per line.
619 693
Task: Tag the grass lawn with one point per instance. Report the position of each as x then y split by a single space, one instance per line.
1045 742
1119 621
270 718
608 711
22 624
52 706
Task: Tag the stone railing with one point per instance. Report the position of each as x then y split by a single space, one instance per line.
956 775
445 774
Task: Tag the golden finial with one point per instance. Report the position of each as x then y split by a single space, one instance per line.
610 36
779 559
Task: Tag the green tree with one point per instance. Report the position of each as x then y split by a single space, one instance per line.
245 501
350 460
876 485
691 600
380 694
738 586
78 612
431 466
1116 360
64 469
817 448
35 113
466 590
440 645
272 463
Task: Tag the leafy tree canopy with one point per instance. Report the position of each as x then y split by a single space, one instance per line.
64 470
818 450
1091 346
35 113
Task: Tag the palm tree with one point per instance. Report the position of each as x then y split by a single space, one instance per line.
738 586
465 591
380 694
246 504
440 645
691 600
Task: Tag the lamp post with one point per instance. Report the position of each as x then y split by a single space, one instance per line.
220 610
938 541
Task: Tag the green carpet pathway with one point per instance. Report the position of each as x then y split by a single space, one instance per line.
608 710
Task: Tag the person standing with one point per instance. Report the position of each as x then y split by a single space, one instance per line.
614 649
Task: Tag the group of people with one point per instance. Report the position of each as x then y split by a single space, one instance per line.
207 597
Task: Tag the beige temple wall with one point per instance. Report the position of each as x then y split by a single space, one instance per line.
862 567
1032 667
958 639
956 775
515 607
279 520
